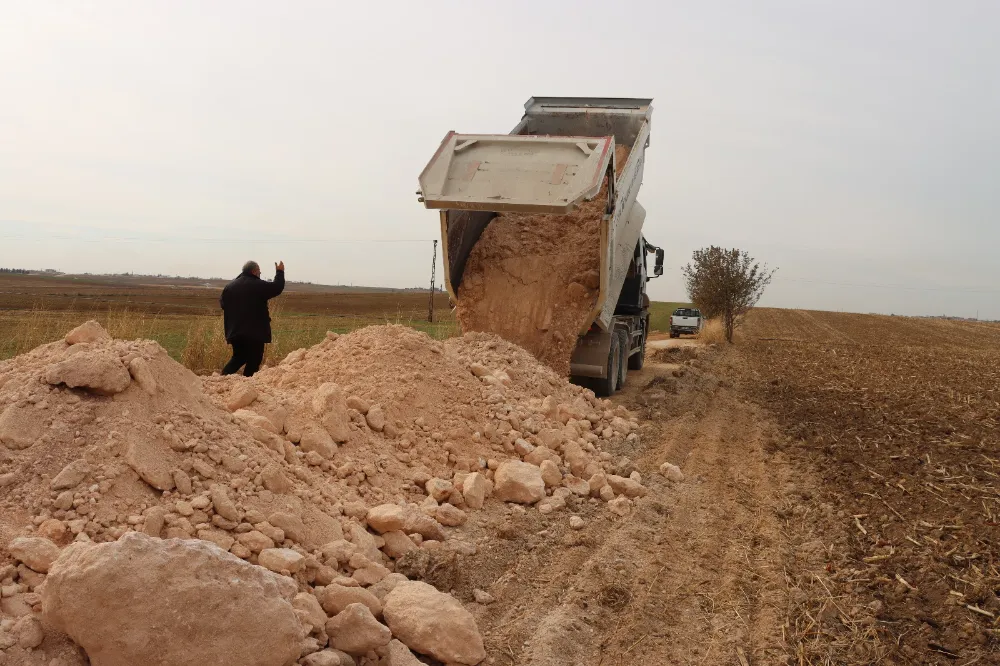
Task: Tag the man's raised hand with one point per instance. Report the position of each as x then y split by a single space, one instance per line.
280 266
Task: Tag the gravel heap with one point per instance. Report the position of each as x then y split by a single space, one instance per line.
285 518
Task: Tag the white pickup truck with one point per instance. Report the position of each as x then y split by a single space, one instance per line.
685 320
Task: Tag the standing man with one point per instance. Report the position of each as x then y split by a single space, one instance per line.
245 316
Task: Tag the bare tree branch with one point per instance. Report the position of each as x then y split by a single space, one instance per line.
725 283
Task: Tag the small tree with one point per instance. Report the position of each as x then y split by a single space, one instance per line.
725 283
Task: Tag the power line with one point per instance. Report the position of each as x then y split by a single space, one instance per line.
971 290
357 241
864 285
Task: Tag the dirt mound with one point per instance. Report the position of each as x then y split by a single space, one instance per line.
330 468
534 279
676 354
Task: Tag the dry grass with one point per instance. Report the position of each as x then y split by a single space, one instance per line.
713 332
197 341
23 331
205 349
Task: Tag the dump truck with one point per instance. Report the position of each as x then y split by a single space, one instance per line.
559 155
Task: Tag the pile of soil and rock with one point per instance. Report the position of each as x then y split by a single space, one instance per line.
295 517
534 279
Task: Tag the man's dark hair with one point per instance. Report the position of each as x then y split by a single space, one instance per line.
250 267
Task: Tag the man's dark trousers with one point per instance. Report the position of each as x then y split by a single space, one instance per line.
245 352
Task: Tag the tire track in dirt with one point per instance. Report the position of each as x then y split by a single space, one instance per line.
692 576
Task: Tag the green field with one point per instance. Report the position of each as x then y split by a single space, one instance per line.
659 314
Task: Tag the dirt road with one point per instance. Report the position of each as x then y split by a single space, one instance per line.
839 507
694 575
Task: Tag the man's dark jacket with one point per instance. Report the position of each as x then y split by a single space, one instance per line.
244 307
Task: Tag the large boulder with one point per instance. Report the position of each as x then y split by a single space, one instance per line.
20 427
223 504
409 519
37 553
672 472
241 396
388 518
400 655
336 598
626 486
329 406
376 418
519 482
176 602
474 490
140 371
576 458
255 419
71 475
433 623
309 611
358 403
314 437
99 371
328 657
87 332
280 560
355 630
540 453
551 474
320 528
397 544
149 455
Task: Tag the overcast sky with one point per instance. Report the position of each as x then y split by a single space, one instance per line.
853 144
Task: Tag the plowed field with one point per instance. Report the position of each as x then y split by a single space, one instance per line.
896 537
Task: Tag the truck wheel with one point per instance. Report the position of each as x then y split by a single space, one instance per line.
606 387
623 347
636 361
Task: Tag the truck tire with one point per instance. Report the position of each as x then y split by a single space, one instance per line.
606 387
636 361
623 348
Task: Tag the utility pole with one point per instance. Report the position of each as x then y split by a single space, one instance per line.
430 307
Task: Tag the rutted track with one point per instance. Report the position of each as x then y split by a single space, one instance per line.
692 576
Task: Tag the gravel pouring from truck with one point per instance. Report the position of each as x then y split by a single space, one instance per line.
560 155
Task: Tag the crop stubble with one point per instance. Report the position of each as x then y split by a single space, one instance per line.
898 543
